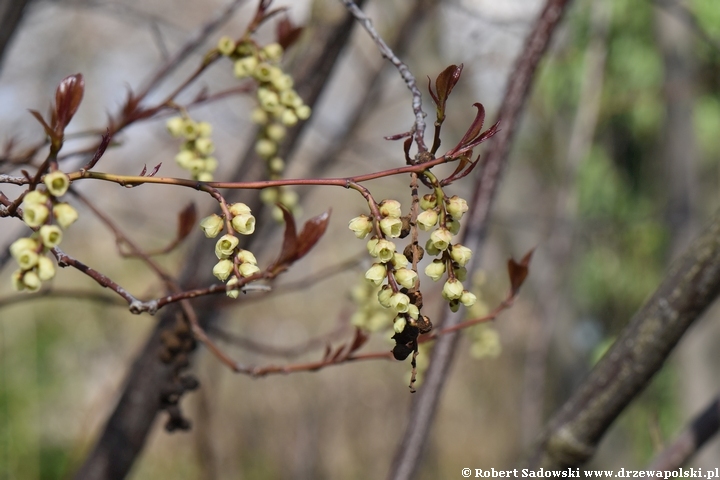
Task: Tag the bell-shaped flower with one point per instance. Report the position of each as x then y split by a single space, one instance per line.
225 247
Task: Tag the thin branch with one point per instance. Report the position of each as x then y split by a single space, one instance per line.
419 126
700 430
410 450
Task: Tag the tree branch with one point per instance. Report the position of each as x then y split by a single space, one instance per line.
690 286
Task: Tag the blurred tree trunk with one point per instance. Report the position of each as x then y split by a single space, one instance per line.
11 14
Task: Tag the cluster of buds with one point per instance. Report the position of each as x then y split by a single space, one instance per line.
279 107
450 258
233 262
399 294
48 217
195 153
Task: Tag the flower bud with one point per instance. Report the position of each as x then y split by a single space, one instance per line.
265 148
268 99
248 269
428 201
27 259
244 223
430 248
35 215
275 132
230 283
65 215
185 158
269 195
175 126
384 250
246 256
468 299
190 129
31 281
276 165
263 72
17 282
283 83
399 260
460 273
259 116
288 197
204 146
272 51
238 208
452 290
290 98
46 268
384 295
435 270
57 183
399 324
456 207
406 277
35 197
303 112
204 177
223 269
427 220
204 129
226 45
441 238
361 226
390 208
371 244
376 274
391 226
460 254
51 235
22 244
212 225
288 118
453 226
400 302
413 311
226 246
244 67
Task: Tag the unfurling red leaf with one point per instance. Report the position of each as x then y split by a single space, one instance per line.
68 96
518 272
444 84
186 221
155 170
287 33
475 127
295 247
446 81
48 131
143 171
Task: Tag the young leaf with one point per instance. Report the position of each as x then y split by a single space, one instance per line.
186 221
295 247
445 83
287 33
518 272
68 96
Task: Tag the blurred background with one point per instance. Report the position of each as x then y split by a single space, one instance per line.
614 170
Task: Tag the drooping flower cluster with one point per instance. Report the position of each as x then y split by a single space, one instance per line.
279 107
390 265
233 262
48 217
450 258
195 153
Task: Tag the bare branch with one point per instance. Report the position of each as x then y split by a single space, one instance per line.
419 126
